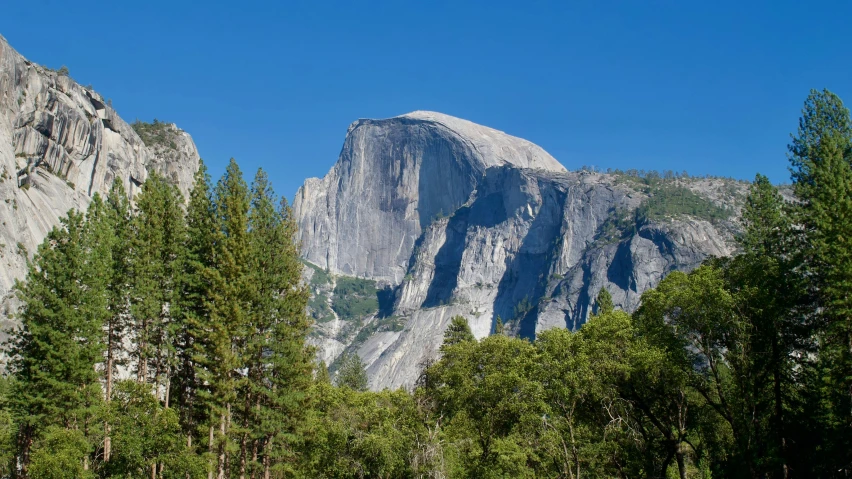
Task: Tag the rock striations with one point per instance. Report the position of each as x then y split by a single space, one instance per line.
60 143
453 218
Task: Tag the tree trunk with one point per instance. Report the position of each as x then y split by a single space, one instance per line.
254 458
107 439
221 473
210 450
779 408
26 442
267 460
189 448
243 454
142 367
681 464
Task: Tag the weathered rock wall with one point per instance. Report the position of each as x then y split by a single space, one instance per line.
60 143
462 220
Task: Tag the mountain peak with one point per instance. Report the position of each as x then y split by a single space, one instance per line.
496 147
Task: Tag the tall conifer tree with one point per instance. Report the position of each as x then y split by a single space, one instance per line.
55 352
192 314
230 305
822 180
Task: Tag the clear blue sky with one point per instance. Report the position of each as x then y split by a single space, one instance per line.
708 87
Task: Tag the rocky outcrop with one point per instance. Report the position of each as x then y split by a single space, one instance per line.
60 143
393 179
458 219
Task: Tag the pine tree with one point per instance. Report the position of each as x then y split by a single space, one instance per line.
352 373
55 352
321 375
230 309
457 331
278 365
158 245
765 286
603 303
109 225
499 327
820 163
192 315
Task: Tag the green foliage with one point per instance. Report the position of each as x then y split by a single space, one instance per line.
320 276
667 201
320 310
352 434
204 305
55 353
8 430
820 160
60 454
619 224
352 373
488 395
457 332
145 435
318 303
740 368
354 298
157 133
603 303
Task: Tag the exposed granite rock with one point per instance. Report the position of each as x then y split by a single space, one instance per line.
60 143
455 218
393 178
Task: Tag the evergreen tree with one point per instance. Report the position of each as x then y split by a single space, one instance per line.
499 327
7 430
352 373
55 352
108 233
457 331
278 365
194 365
604 304
229 309
767 289
820 163
158 244
321 375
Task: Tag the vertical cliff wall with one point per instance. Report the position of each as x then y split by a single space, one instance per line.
452 218
60 143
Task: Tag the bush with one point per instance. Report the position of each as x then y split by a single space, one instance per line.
59 454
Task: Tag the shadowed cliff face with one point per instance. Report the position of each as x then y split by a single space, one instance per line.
61 143
457 219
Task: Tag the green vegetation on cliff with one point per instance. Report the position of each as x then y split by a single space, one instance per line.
157 133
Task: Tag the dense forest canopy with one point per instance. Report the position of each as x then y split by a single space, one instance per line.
167 340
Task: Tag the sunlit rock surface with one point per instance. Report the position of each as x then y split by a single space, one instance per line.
453 218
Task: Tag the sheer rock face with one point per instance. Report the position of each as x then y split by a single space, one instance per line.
393 178
60 143
459 219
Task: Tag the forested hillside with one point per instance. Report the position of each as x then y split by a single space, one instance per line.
163 341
